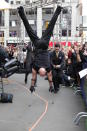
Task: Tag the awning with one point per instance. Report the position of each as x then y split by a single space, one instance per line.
63 43
50 44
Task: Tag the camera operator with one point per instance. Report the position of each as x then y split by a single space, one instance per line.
3 56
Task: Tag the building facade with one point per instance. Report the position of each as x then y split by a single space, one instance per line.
12 30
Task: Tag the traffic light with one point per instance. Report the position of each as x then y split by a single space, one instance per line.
46 24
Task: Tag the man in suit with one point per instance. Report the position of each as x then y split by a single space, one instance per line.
57 61
41 63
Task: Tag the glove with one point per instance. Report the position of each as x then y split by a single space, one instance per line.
20 10
59 8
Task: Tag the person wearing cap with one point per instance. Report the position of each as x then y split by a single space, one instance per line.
41 63
57 61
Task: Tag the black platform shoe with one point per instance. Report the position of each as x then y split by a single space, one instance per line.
56 90
51 89
32 89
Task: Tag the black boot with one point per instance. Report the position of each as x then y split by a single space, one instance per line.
32 89
56 90
51 89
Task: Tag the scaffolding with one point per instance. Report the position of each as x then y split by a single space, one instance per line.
42 3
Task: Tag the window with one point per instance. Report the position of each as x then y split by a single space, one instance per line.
13 23
18 2
69 33
7 0
1 18
12 2
66 22
13 33
27 2
1 33
64 32
47 11
31 22
31 12
13 12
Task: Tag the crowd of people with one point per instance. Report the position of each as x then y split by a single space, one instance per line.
65 62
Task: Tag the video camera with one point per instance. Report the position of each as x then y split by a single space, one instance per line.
7 68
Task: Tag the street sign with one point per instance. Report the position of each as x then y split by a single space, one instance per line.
81 28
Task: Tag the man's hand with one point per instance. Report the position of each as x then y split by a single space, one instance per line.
58 66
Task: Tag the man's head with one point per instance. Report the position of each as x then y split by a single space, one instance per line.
57 47
42 71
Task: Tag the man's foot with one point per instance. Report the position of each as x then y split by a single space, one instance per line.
51 89
32 89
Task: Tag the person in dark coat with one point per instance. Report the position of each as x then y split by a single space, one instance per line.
57 61
77 64
3 55
42 61
29 61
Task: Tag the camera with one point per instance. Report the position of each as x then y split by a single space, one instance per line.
7 68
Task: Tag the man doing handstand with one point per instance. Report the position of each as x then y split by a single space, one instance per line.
41 63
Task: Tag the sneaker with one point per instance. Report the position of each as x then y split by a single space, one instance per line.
32 89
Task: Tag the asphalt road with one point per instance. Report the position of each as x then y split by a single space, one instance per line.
42 110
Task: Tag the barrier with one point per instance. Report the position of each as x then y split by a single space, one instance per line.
83 89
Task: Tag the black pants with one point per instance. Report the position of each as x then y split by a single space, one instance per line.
48 32
57 79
